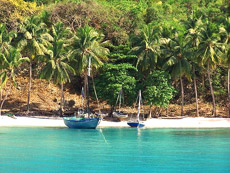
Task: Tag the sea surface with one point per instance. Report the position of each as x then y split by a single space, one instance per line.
114 150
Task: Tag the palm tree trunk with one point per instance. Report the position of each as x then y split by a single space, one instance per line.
0 95
29 88
166 111
150 110
111 110
4 99
196 95
228 92
212 93
203 82
182 96
62 99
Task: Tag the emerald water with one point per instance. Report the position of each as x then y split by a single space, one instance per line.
114 150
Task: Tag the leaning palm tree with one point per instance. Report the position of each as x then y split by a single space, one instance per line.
147 48
225 32
57 60
11 59
177 64
208 53
88 44
33 41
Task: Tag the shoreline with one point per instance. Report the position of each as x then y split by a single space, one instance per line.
199 122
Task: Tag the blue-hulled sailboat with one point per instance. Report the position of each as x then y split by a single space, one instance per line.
81 123
136 123
84 120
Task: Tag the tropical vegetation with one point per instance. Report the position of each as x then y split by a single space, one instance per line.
164 48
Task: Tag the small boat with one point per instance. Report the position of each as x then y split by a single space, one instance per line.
119 114
136 123
84 119
81 123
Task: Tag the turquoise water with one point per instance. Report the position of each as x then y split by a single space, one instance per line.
114 150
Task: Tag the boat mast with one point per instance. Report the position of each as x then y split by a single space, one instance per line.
82 98
120 99
139 106
89 68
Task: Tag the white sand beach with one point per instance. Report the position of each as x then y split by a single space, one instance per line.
200 122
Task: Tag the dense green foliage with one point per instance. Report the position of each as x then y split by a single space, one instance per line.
158 90
13 12
10 60
147 40
56 61
112 78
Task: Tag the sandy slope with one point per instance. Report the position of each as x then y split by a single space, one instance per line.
152 123
45 100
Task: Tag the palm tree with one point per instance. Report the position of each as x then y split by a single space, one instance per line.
225 32
87 43
5 37
5 40
57 66
208 53
177 63
33 41
147 48
193 37
11 59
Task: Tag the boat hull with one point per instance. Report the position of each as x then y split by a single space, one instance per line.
135 124
120 115
85 123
